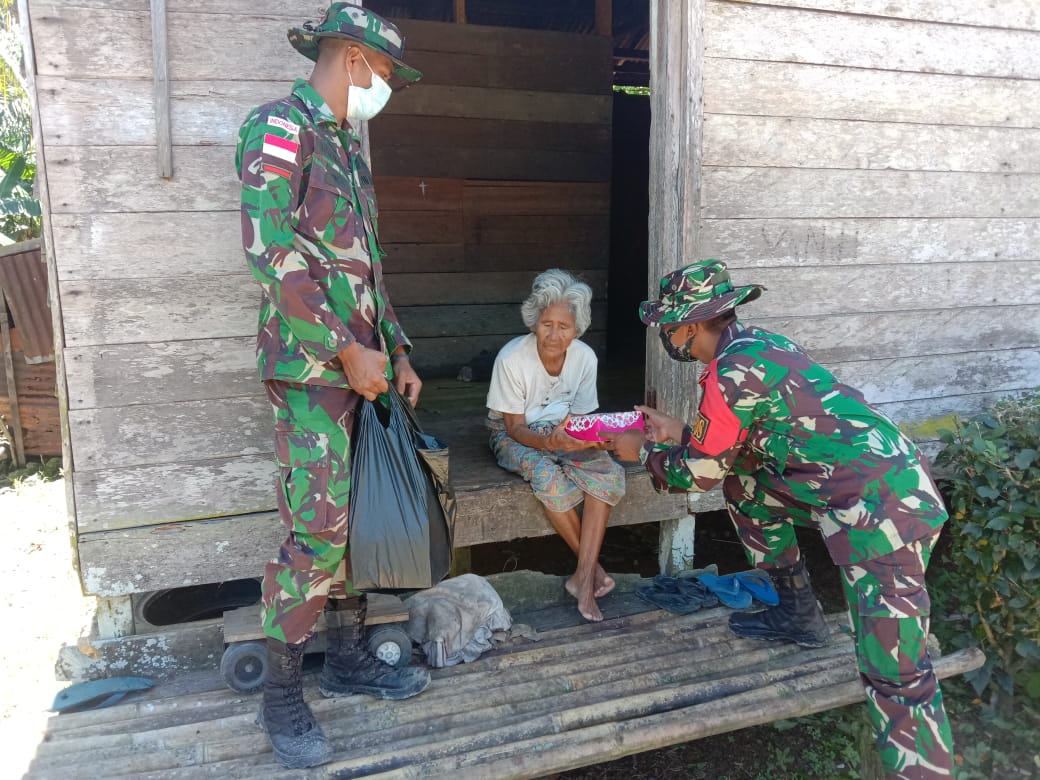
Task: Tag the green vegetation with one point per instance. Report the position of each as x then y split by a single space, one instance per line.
19 209
990 593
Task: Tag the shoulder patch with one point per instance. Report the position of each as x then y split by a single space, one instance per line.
700 428
284 124
282 148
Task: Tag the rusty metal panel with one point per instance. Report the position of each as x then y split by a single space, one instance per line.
23 278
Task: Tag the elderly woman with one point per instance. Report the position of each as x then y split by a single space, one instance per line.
538 381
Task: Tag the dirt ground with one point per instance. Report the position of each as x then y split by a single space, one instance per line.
43 609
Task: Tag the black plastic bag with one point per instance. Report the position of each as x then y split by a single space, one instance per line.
402 507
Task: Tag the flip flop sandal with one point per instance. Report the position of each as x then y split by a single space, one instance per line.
96 694
727 589
760 586
673 602
694 588
666 584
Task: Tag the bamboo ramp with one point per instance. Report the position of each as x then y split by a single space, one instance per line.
580 695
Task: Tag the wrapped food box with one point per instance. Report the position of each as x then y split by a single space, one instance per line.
588 427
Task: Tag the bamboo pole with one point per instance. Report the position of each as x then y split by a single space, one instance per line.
571 738
607 742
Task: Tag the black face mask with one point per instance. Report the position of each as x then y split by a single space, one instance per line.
682 354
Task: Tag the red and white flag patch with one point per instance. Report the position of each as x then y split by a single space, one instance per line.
281 148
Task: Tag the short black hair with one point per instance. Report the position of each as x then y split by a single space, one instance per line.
721 322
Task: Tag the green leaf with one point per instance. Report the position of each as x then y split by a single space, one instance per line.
1027 648
987 492
1025 458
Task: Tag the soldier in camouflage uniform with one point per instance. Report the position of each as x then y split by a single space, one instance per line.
328 336
794 446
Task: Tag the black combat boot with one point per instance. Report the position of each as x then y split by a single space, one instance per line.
351 668
797 618
295 735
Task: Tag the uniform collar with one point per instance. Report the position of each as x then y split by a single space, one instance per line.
732 332
318 108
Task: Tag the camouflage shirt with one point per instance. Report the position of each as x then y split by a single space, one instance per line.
770 414
309 229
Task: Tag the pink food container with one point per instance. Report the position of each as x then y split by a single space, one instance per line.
588 427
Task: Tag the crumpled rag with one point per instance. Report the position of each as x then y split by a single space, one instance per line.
455 620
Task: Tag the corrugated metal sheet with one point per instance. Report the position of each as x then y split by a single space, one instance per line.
23 278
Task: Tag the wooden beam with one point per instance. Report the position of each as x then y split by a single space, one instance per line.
47 236
161 79
676 118
460 11
605 18
12 386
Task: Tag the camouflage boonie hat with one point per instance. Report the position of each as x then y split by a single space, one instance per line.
695 293
350 22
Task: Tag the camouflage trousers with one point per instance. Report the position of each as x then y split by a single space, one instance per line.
312 431
889 611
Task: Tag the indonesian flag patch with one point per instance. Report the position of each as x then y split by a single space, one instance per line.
281 148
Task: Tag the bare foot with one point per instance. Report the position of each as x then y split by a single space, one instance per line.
604 584
589 610
571 585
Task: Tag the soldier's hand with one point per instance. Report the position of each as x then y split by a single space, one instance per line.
625 444
660 427
406 380
365 369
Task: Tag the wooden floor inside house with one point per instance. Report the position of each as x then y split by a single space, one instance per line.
573 696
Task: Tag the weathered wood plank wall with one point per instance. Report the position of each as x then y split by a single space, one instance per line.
492 169
875 165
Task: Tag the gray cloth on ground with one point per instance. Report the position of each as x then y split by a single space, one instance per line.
454 621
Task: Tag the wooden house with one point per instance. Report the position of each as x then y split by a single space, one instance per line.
875 164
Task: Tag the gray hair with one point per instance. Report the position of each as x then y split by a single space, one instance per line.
557 286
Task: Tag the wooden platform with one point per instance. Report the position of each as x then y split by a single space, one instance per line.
581 695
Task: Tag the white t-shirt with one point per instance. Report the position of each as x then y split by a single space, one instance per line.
521 385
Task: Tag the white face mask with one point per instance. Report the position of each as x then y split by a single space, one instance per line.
365 103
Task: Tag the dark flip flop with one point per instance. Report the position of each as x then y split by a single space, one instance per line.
678 603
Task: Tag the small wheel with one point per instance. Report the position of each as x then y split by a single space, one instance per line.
390 645
244 666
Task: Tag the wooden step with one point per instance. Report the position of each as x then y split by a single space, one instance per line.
581 695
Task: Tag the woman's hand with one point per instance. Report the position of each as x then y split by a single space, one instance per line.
561 441
660 427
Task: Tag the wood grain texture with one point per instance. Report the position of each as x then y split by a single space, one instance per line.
498 512
795 142
170 433
1007 14
677 83
149 310
792 89
152 310
161 87
765 32
168 372
799 192
123 246
748 243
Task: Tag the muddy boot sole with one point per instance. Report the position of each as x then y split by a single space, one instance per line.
312 749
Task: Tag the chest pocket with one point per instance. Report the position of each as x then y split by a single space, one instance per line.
328 213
